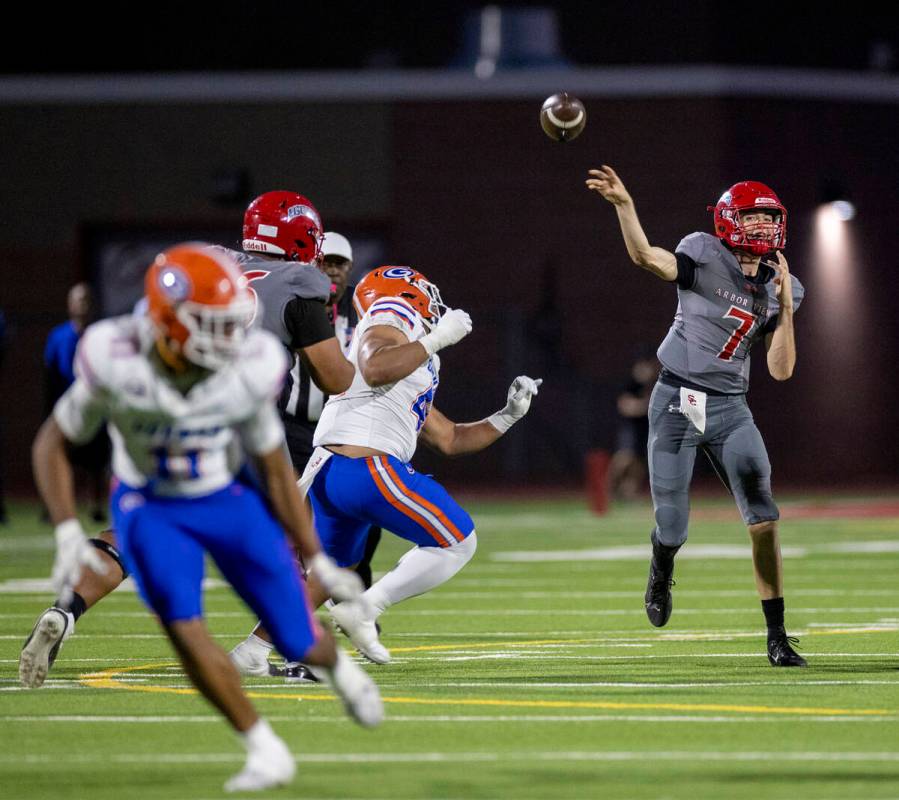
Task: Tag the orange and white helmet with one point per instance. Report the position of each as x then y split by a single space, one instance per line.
199 303
404 282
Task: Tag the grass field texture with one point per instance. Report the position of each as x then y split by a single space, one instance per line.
533 674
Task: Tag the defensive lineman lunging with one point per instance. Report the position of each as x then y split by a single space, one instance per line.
728 299
360 475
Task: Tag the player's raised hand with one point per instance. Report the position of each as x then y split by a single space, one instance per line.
606 182
453 326
518 403
783 281
73 551
518 400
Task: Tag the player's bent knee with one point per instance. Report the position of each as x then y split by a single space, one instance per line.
671 525
763 528
110 550
465 549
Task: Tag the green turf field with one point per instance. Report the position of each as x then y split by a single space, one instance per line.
533 674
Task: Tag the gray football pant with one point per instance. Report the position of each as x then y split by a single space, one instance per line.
734 445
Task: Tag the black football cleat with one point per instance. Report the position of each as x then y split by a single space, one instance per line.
781 652
298 673
658 599
658 588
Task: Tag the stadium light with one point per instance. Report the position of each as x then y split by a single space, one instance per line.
835 197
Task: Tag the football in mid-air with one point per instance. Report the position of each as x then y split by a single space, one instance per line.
563 117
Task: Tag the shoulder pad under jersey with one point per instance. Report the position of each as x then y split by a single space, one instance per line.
396 312
262 364
101 344
694 246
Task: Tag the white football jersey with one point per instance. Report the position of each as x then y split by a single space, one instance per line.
386 418
178 445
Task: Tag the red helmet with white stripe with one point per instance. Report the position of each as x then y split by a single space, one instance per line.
283 224
739 223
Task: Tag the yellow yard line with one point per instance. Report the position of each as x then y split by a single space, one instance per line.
106 679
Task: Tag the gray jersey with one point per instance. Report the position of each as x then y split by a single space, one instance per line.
720 314
275 283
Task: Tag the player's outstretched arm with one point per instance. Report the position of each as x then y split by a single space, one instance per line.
781 344
53 475
296 518
456 439
287 503
657 260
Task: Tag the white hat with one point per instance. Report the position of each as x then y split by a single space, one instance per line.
337 245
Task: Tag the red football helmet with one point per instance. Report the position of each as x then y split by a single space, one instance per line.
283 224
758 239
404 282
199 303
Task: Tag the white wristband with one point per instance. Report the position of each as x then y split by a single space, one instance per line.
430 344
501 421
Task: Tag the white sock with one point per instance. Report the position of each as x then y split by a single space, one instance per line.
259 736
420 570
254 641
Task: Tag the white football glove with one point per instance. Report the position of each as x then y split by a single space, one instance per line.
341 584
73 551
454 325
518 402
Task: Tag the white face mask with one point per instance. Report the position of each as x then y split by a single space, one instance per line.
216 332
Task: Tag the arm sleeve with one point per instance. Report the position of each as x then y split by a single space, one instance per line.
689 255
306 322
686 271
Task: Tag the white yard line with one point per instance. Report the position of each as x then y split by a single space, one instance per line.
444 718
62 759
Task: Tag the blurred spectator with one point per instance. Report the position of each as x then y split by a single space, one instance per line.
627 472
59 374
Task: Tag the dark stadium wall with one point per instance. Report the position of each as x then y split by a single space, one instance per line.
478 198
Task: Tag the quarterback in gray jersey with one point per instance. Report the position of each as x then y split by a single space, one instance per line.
728 299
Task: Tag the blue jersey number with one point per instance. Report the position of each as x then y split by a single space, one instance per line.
421 406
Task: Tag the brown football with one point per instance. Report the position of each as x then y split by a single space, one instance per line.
563 117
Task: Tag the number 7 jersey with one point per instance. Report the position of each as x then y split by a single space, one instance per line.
386 418
720 314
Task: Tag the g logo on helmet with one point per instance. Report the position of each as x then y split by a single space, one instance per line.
399 272
174 284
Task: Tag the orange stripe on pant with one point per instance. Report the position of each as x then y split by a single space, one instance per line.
457 534
405 510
